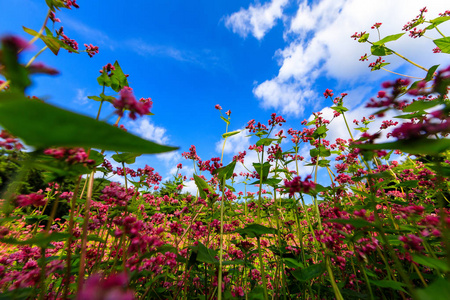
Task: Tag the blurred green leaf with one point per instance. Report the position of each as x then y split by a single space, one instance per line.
438 290
431 262
255 230
42 125
389 284
310 272
413 146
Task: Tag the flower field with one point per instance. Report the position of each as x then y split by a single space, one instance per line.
377 228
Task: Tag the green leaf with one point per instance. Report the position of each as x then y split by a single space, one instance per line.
363 38
320 132
104 79
437 21
228 134
438 290
225 120
380 50
309 272
430 72
339 109
431 262
225 172
265 169
320 151
265 141
389 38
118 78
255 230
389 284
443 44
411 116
128 158
12 70
421 105
42 125
202 185
414 146
95 98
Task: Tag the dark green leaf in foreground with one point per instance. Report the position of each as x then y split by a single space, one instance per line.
255 230
438 290
310 272
431 262
42 125
413 146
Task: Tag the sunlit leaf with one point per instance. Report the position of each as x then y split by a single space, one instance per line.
388 38
443 44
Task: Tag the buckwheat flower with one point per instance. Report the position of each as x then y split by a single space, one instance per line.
91 50
328 93
70 3
42 69
127 101
31 199
112 287
15 43
298 186
376 25
53 18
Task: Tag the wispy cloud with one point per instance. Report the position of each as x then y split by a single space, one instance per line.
92 35
205 58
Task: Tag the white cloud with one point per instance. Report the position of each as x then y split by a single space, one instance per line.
318 44
144 128
257 19
190 187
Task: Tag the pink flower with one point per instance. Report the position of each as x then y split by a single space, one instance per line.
112 287
127 101
298 186
218 107
91 50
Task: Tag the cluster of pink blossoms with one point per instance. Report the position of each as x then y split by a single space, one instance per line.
296 185
127 101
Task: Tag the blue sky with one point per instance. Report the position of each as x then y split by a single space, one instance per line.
251 57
